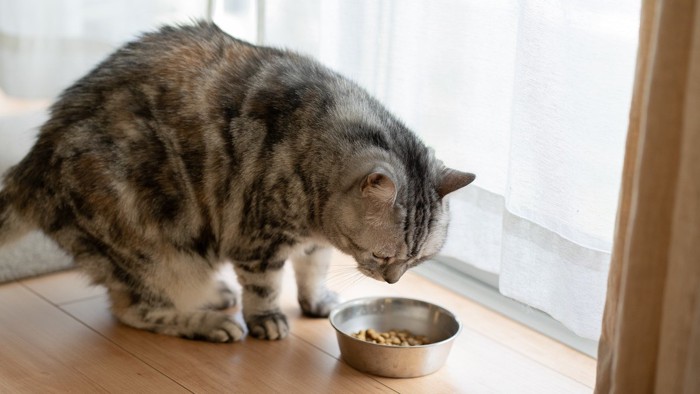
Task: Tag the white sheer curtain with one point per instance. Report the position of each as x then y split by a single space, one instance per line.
532 96
46 44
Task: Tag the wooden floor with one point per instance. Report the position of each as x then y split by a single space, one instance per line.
56 335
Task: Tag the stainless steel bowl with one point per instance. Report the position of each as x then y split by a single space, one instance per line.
388 313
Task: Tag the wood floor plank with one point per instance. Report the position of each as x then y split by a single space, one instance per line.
290 365
45 350
493 354
63 287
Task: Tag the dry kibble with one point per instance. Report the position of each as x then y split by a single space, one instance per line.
372 334
392 337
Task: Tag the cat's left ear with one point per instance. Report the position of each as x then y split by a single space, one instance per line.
452 180
379 187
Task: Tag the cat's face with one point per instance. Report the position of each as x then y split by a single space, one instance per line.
389 228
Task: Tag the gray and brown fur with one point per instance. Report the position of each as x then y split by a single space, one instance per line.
188 148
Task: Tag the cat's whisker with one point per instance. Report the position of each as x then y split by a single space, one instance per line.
340 280
342 269
339 272
351 282
357 280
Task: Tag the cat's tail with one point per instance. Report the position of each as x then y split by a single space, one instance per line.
12 225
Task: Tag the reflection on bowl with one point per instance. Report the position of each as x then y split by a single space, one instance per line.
391 313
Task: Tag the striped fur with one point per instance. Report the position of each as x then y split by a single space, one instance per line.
188 148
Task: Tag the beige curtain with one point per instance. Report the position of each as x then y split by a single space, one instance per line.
650 340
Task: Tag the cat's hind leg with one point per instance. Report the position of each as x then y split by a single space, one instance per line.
158 315
222 293
165 297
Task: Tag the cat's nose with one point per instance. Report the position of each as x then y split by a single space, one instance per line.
393 272
391 280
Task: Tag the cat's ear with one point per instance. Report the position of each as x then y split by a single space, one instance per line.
452 180
379 187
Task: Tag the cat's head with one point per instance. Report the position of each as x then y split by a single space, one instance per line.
392 219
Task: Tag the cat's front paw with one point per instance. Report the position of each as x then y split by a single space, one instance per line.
204 325
272 325
227 331
320 306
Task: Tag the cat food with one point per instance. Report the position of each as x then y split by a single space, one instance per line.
391 337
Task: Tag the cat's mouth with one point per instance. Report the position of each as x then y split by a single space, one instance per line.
370 272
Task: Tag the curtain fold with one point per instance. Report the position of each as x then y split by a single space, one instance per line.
649 340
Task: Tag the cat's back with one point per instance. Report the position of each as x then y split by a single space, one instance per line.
167 88
138 131
162 70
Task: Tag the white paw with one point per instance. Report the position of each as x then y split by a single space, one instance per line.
320 307
228 331
272 325
210 326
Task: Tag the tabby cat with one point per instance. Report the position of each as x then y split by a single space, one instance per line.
188 148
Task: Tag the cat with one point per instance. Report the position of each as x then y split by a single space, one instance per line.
187 148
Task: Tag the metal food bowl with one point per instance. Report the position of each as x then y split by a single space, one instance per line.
390 313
